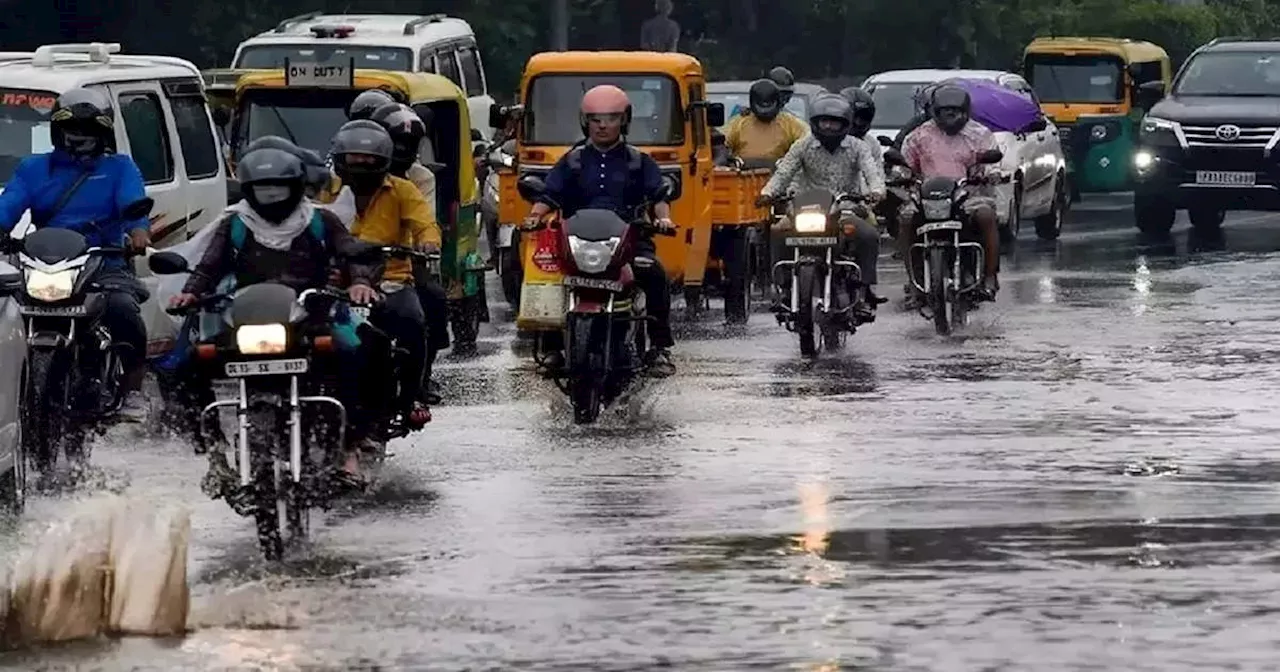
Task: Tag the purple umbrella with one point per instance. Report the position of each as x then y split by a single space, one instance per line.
998 108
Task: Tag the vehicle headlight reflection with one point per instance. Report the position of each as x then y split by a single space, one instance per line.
55 286
262 339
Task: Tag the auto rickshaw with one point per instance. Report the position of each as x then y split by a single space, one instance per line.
309 109
1089 87
671 121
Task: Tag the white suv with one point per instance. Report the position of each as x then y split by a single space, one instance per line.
1039 189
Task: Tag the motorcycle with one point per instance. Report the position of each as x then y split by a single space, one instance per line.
75 372
950 260
279 357
823 280
604 333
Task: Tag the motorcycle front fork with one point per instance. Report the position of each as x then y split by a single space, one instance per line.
830 264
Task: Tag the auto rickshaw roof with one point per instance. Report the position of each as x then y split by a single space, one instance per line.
417 86
1133 51
612 61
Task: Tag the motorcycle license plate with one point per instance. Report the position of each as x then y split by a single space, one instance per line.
272 367
592 283
825 241
362 311
939 226
505 233
53 311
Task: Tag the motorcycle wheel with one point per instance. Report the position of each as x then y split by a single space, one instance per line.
464 322
805 277
44 409
584 385
942 306
509 263
266 439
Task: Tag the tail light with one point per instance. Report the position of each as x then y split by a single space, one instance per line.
323 344
206 351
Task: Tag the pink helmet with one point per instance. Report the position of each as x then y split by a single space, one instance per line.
605 99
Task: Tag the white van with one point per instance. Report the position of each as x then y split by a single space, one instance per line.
433 43
162 121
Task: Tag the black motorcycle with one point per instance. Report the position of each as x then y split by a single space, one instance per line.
823 280
950 259
74 380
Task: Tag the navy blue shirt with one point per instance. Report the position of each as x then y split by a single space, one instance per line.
605 182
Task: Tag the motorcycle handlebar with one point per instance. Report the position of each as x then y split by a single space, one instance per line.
200 304
402 252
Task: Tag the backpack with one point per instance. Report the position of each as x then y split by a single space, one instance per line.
240 232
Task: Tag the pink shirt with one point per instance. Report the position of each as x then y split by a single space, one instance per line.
930 152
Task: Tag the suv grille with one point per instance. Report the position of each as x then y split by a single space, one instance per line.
1250 136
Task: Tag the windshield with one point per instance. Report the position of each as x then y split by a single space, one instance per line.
736 101
552 108
1231 73
1076 79
895 103
271 56
24 127
307 117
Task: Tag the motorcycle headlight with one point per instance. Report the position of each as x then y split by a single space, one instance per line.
261 339
592 256
937 208
55 286
811 222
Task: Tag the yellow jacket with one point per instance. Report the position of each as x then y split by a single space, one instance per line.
396 215
748 137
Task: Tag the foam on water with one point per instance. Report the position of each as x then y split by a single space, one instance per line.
112 566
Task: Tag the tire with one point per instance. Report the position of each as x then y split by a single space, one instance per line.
1207 220
1152 216
1009 234
464 322
942 308
510 272
804 279
1049 226
44 409
585 382
693 301
267 431
737 292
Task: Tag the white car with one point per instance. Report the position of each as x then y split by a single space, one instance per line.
1039 190
13 359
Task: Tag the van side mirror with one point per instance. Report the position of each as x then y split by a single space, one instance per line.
894 157
221 116
1150 93
884 140
715 114
531 188
10 280
168 263
501 115
137 209
990 156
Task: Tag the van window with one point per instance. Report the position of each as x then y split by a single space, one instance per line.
148 136
199 151
447 66
471 71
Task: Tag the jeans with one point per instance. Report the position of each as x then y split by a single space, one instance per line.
652 278
400 315
123 318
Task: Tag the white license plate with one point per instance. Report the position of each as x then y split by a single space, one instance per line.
592 283
939 226
505 233
824 241
271 367
362 311
54 311
1228 178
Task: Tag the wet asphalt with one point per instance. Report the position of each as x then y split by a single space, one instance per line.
1083 480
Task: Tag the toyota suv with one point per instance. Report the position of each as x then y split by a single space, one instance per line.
1209 146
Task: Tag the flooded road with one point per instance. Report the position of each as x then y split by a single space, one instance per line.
1083 481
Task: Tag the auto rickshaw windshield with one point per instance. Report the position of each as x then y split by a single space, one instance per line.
308 118
1061 78
552 108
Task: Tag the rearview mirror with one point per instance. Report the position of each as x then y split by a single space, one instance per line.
715 114
884 140
476 135
137 209
894 157
1150 93
531 188
10 279
221 116
670 189
990 156
168 263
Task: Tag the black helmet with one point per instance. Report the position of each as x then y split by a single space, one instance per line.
366 138
786 83
923 98
317 173
273 181
765 99
950 106
407 132
368 101
830 117
82 123
864 109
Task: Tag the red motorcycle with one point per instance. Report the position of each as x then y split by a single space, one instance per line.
604 333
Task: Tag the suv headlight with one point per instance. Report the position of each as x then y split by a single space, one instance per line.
262 339
592 256
1155 127
811 222
55 286
936 209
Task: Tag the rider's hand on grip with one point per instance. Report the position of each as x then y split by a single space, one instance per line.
182 300
665 227
362 294
531 223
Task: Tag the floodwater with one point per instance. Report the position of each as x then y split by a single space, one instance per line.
1084 480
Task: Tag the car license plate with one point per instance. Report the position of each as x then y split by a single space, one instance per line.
273 367
1228 178
939 226
592 283
54 311
825 241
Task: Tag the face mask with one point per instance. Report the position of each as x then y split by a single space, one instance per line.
767 112
81 145
270 194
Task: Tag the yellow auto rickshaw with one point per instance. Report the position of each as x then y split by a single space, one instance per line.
671 121
307 105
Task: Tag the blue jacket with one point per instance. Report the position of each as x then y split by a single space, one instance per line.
41 179
619 179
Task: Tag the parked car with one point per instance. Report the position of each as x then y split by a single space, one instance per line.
1039 188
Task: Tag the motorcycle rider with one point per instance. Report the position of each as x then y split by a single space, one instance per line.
768 131
864 113
948 146
275 234
829 158
786 83
390 211
923 97
607 173
84 185
367 102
